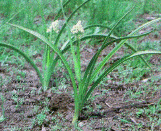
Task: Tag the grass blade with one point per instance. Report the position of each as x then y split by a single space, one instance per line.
44 39
134 50
117 63
30 61
126 44
131 34
92 63
106 59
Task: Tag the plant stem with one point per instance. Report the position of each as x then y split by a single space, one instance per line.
76 113
3 110
46 68
78 59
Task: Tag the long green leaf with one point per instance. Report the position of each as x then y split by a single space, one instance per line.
44 39
92 63
95 36
103 47
120 45
105 60
116 64
113 36
67 46
134 50
30 61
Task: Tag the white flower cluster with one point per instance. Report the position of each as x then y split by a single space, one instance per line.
77 28
55 26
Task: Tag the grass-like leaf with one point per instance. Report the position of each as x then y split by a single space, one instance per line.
122 42
55 49
30 61
116 64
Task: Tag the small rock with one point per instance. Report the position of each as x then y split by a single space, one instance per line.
145 80
81 124
43 128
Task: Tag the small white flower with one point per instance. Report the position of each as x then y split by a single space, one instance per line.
55 26
49 29
77 28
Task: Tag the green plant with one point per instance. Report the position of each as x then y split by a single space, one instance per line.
140 112
2 118
48 63
83 84
40 118
57 124
83 93
17 100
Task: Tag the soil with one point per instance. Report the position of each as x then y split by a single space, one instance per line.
110 106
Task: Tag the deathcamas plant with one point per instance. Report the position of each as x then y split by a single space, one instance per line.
83 83
88 81
48 62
